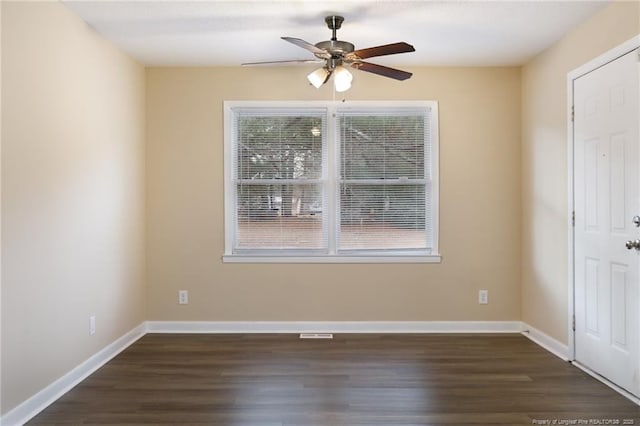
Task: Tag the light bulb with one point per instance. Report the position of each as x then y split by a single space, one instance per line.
318 77
342 79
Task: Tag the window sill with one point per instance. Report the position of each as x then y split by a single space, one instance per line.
432 258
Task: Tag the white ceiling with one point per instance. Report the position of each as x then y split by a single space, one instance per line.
228 33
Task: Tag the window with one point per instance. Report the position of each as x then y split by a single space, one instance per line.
327 182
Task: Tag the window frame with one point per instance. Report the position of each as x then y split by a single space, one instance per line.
331 181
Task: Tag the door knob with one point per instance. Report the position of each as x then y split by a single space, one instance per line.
633 244
636 221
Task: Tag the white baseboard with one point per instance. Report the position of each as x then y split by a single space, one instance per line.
334 327
549 343
38 402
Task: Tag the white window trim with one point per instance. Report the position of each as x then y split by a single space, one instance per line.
430 256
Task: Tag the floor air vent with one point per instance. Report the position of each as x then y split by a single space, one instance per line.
316 335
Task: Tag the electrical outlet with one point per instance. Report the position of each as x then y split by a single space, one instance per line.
483 297
183 297
92 325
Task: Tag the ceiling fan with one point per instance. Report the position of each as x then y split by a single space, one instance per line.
336 54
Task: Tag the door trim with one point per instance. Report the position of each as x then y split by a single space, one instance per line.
605 58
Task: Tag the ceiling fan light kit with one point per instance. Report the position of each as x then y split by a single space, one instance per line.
338 54
319 77
342 79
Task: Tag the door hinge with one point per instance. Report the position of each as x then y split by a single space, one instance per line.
573 113
573 323
573 218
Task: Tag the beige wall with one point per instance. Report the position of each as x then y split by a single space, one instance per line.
544 162
479 205
72 195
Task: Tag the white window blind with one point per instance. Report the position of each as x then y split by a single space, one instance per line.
384 197
321 180
278 180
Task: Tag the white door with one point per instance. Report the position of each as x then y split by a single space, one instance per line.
607 191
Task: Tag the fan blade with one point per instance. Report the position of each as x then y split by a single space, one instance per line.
306 45
382 70
387 49
291 62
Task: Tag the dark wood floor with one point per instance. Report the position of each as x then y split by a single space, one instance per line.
278 380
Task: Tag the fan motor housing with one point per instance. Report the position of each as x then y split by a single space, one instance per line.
336 47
